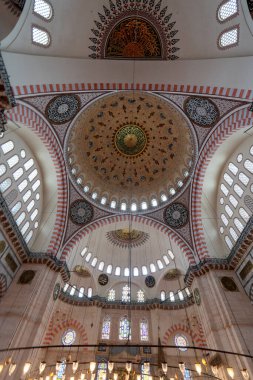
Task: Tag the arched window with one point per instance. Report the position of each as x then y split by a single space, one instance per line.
229 38
144 270
72 290
43 9
89 293
172 296
106 328
81 292
238 184
163 295
125 294
19 174
40 36
227 10
144 337
101 266
152 268
140 296
117 271
111 295
124 329
135 272
101 371
145 371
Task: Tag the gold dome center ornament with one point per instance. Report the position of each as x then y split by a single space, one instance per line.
130 140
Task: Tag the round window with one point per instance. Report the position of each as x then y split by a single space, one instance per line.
68 337
181 342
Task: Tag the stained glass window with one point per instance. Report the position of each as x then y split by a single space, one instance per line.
106 328
140 296
145 371
125 294
144 330
124 329
68 337
111 295
181 342
101 371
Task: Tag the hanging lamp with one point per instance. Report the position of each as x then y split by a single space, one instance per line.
231 372
164 368
92 366
75 366
110 367
12 368
245 374
27 367
198 368
42 367
128 366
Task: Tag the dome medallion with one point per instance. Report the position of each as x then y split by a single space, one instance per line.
130 152
130 140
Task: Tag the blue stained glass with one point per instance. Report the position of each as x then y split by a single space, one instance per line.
101 371
124 329
106 328
144 330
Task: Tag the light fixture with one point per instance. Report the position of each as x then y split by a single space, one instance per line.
181 366
27 367
72 378
47 378
75 366
198 368
204 362
128 366
1 367
55 377
230 372
110 366
164 368
115 376
245 373
214 369
57 366
12 368
82 376
92 366
146 367
42 367
138 377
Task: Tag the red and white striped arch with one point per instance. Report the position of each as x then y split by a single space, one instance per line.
23 114
233 123
186 250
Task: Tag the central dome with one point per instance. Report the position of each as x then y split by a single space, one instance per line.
130 151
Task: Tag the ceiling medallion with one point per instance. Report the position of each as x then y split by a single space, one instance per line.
150 281
103 279
130 140
201 111
124 238
130 149
197 297
63 108
229 284
81 271
176 215
134 29
81 212
172 274
57 290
